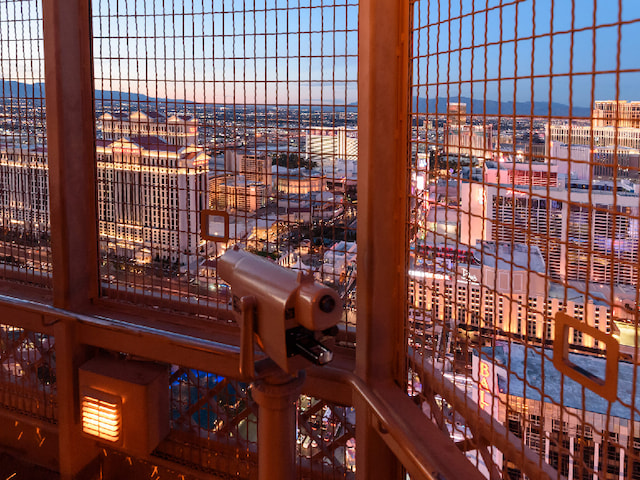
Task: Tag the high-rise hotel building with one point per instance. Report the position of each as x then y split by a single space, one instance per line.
151 188
610 143
616 113
325 145
175 130
24 188
559 218
152 185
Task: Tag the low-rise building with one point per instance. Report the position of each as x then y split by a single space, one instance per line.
567 426
502 288
236 192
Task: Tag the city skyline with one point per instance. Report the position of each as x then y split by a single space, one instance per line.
274 52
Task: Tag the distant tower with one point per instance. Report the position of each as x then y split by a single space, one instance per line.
618 113
327 144
456 113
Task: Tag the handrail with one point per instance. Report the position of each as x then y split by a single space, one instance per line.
480 422
424 450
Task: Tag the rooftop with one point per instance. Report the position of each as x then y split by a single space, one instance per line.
508 256
527 380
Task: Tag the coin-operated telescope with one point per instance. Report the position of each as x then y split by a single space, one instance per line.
286 311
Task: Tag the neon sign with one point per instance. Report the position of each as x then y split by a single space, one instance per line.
484 389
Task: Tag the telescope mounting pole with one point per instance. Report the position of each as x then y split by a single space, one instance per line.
276 395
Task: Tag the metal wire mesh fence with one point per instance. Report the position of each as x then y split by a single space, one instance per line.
214 429
24 187
326 439
243 107
28 372
213 424
524 200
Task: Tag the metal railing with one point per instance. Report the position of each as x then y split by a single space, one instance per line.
522 244
250 109
451 333
28 372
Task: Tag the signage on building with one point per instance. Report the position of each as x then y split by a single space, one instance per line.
490 380
484 391
468 277
126 150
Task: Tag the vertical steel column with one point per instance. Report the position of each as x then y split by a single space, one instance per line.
72 200
382 215
276 397
71 151
76 451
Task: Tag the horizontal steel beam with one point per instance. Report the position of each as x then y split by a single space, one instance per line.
423 449
480 422
187 341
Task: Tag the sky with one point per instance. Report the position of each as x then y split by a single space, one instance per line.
305 51
233 51
528 47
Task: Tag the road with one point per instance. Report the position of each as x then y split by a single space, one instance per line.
173 287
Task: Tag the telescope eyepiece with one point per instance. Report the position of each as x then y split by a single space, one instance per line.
327 304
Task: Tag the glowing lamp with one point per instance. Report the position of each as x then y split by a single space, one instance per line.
124 403
101 415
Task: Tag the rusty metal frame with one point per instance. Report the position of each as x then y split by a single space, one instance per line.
71 149
392 431
74 243
388 437
423 449
382 119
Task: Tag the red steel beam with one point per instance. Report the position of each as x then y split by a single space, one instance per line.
489 430
72 190
71 151
382 212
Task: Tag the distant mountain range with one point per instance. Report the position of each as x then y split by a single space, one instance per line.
35 91
478 106
22 90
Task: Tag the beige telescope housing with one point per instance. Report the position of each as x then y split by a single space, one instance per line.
285 301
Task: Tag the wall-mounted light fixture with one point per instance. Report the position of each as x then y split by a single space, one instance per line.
124 403
101 415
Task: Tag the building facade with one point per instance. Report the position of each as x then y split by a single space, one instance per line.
24 188
599 136
583 162
575 432
480 290
255 167
572 225
179 130
150 194
616 113
327 144
469 140
236 192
